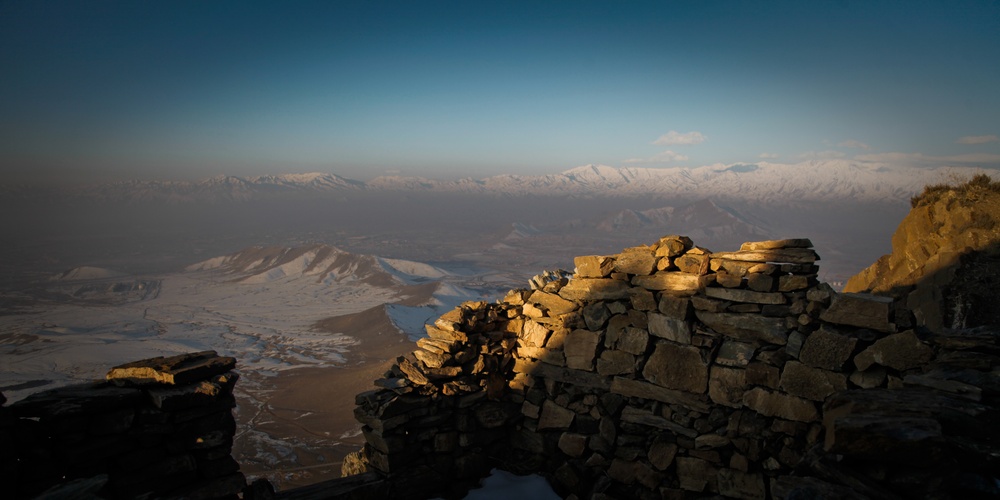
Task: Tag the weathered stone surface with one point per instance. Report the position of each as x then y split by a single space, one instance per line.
646 390
727 385
453 320
632 415
637 260
789 255
175 370
681 284
827 348
75 399
740 295
572 444
642 299
559 374
412 370
776 404
746 327
438 345
553 303
793 282
956 387
593 266
761 282
692 263
710 441
445 335
804 381
665 327
733 267
186 396
677 367
728 280
594 289
581 349
763 374
555 416
661 454
900 425
711 305
633 341
673 245
596 315
738 484
695 474
870 378
622 471
776 244
674 306
432 359
860 309
794 345
900 351
614 362
733 353
534 334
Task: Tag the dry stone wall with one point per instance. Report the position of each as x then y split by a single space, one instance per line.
669 371
158 428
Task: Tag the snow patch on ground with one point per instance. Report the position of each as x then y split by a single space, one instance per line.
503 485
410 272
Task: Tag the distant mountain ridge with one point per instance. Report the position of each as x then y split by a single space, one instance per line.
815 180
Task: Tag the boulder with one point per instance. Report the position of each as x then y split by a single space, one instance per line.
669 328
581 349
746 327
777 404
593 266
901 351
589 289
677 367
681 284
638 260
172 370
860 309
739 295
827 348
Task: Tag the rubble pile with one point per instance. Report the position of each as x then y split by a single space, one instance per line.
159 428
669 371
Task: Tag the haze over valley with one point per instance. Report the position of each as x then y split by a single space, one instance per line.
314 281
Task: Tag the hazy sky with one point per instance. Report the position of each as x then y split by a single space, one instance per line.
188 89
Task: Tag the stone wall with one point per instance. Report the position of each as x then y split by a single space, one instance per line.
668 371
160 428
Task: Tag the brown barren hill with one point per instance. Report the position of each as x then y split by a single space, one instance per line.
945 258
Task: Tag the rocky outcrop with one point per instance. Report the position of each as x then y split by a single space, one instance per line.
159 428
668 371
944 259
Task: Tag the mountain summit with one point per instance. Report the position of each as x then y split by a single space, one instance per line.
763 182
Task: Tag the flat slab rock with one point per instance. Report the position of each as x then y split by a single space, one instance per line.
75 400
173 370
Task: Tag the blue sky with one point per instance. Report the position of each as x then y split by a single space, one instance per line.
107 89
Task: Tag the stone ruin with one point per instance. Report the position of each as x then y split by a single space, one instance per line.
665 371
668 371
159 428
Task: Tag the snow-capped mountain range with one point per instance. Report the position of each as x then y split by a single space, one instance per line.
815 180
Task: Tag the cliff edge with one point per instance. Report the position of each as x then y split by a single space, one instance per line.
945 255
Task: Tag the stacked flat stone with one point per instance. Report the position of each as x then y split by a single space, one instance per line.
161 427
669 371
438 414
